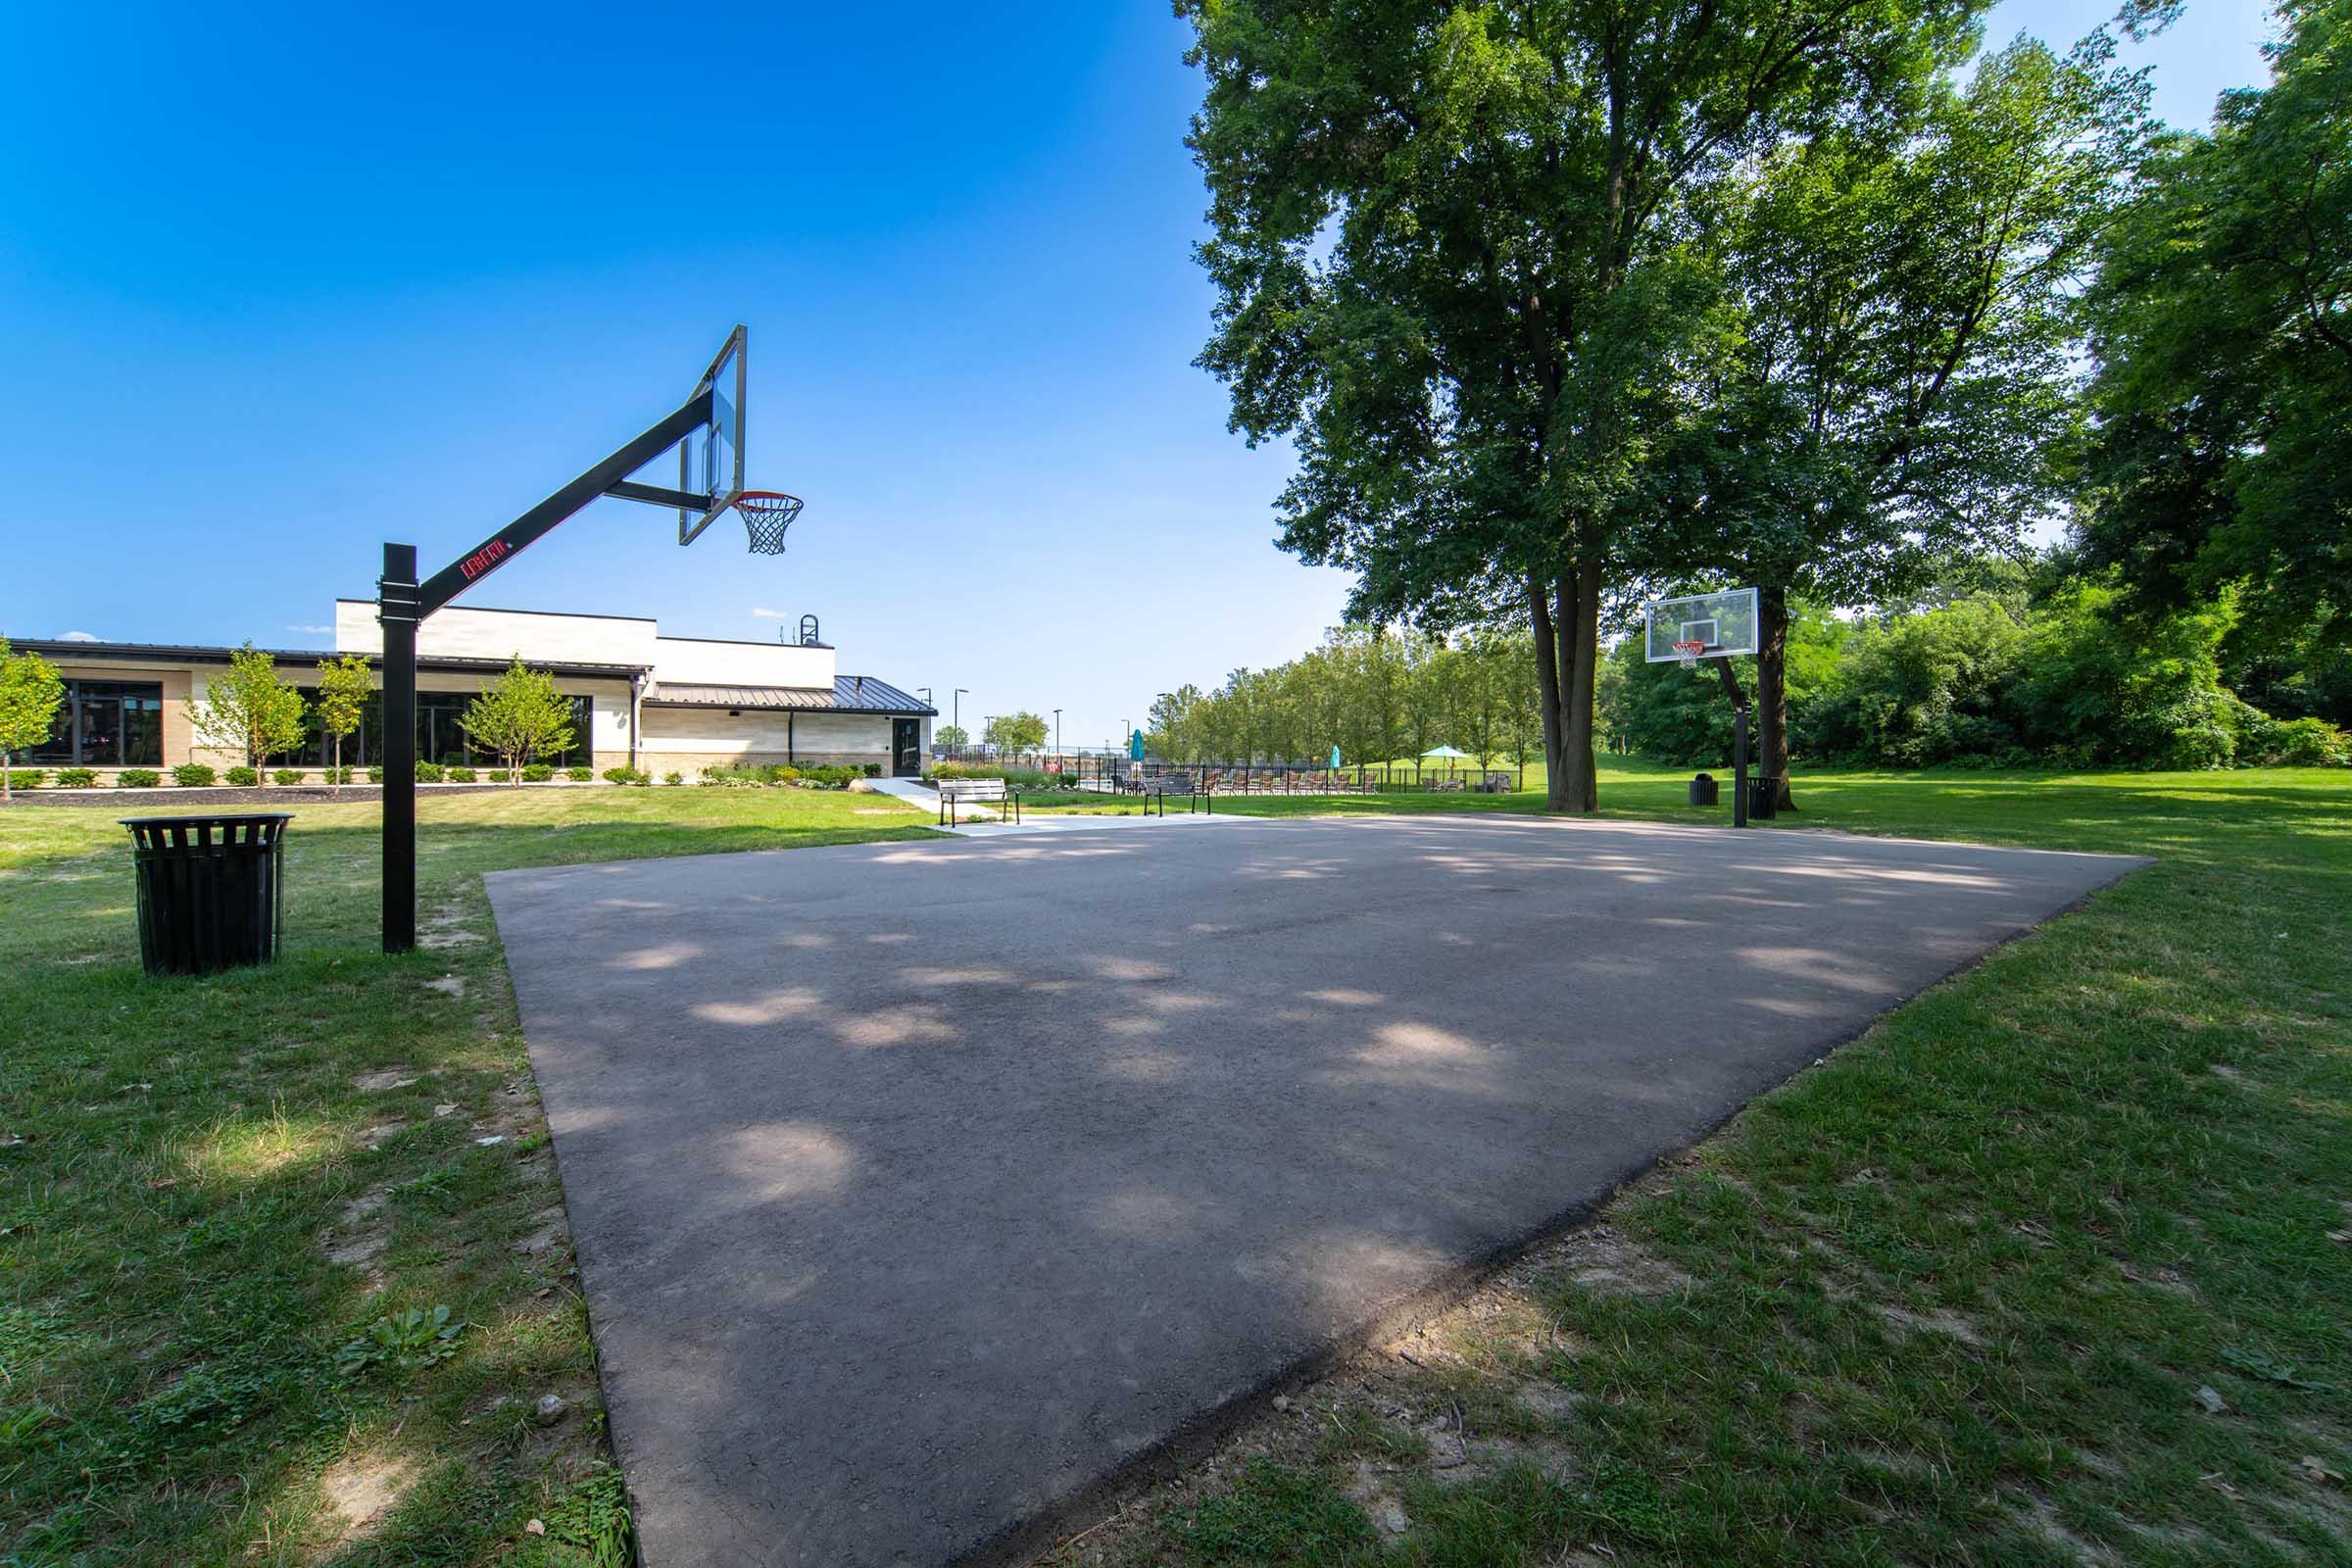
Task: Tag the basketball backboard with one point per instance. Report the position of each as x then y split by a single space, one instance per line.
1723 624
710 459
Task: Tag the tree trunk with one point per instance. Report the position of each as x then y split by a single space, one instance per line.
334 768
1548 690
7 785
1772 691
1583 661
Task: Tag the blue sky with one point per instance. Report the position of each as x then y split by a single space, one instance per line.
277 284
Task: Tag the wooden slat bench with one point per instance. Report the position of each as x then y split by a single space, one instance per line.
954 792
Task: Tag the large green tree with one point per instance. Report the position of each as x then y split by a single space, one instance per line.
1899 386
1463 256
1016 733
2224 337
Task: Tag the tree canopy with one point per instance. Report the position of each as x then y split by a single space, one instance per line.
2223 326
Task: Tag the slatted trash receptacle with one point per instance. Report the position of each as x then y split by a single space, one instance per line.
1702 790
209 889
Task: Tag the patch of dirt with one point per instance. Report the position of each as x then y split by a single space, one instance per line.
1600 1260
449 985
377 1083
372 1139
446 927
1368 1488
359 1489
1937 1320
2042 1516
550 1230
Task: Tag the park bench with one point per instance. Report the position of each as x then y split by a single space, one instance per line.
955 792
1159 787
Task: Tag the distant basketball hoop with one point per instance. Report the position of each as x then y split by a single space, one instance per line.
766 513
1689 651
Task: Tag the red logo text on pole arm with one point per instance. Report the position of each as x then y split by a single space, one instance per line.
482 560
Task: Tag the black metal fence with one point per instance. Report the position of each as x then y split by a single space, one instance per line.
1114 772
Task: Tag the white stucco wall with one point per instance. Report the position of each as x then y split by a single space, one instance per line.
696 660
460 632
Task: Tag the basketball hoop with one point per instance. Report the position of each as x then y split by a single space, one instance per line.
766 513
1689 653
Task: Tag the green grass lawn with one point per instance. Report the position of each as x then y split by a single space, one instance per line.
1946 1298
217 1197
1950 1297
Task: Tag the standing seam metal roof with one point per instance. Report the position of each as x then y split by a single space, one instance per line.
851 694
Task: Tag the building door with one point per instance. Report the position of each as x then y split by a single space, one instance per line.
906 748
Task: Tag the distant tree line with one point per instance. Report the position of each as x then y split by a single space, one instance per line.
1375 694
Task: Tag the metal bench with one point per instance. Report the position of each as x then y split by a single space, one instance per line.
1196 792
954 792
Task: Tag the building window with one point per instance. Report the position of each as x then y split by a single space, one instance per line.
105 723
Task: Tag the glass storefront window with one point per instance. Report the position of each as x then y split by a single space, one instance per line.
105 723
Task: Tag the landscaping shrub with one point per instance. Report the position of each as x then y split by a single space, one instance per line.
674 778
1027 778
336 776
192 776
138 778
375 776
76 778
242 777
620 776
538 774
461 774
873 771
428 772
26 778
286 776
2267 741
827 778
579 775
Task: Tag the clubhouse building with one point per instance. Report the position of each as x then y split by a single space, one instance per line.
639 699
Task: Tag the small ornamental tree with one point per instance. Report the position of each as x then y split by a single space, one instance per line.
950 736
343 687
518 717
249 710
31 694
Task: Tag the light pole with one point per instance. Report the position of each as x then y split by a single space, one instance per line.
1057 732
957 723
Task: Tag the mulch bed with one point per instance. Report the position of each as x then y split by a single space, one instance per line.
171 797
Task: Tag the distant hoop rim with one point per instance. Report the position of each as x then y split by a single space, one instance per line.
767 503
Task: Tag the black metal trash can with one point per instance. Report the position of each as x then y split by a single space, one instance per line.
1763 797
1703 789
209 889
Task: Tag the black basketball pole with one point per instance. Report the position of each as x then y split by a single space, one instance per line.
397 611
1731 685
401 603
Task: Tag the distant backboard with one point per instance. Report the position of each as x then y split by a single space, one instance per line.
710 459
1723 625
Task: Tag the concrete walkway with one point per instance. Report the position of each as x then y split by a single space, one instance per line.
920 1187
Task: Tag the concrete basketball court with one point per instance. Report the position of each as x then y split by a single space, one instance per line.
918 1187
